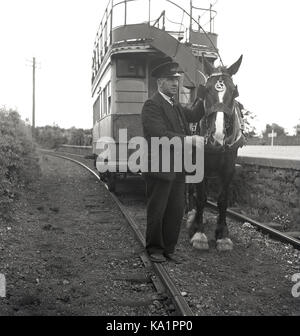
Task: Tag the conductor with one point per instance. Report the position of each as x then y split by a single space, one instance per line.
163 116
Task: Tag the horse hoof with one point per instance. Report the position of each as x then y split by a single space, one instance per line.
200 241
224 244
200 246
191 215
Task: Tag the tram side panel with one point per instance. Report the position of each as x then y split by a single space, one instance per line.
120 101
130 93
120 106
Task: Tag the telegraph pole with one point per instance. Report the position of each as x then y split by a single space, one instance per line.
33 95
33 64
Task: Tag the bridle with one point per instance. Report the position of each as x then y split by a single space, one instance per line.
230 113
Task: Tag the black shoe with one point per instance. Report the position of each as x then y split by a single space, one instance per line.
176 258
157 257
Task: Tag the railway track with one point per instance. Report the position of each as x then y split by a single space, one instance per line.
266 229
133 209
182 308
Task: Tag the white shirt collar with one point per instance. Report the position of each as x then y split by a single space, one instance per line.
167 98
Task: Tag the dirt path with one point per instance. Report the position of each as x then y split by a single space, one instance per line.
69 251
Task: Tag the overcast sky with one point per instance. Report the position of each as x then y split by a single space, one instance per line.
60 34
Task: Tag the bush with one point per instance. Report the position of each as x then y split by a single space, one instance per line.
50 136
18 161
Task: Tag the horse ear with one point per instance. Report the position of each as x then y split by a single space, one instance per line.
208 68
235 67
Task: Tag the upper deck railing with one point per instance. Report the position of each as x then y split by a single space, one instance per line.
163 14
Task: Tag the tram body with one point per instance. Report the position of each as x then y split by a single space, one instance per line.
123 57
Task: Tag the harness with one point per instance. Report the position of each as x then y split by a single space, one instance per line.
238 138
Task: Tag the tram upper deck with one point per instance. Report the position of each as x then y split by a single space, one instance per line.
131 36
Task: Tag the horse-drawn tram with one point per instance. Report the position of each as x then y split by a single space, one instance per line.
133 36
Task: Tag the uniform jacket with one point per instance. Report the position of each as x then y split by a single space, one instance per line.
159 119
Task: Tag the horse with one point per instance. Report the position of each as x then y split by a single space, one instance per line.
222 129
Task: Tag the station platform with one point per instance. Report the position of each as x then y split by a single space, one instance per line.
287 157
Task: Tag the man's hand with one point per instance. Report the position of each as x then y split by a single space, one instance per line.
195 140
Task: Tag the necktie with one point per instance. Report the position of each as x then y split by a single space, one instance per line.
181 123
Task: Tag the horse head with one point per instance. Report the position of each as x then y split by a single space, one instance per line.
219 125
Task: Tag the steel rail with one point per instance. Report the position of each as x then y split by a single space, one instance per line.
263 227
178 299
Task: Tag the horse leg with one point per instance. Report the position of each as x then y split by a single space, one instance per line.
188 198
196 228
190 204
224 243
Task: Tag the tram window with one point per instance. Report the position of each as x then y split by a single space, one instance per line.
105 101
109 98
108 89
96 108
101 105
127 67
109 105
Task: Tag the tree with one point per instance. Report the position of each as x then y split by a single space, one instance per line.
247 121
249 128
77 137
50 136
279 130
18 161
297 129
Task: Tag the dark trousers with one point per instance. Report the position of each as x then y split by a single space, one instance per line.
165 206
